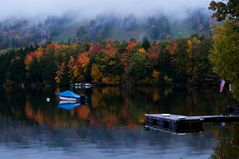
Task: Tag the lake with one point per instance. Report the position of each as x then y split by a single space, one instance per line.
110 124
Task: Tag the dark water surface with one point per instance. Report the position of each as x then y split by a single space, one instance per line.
109 125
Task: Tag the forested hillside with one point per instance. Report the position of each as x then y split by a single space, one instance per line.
20 32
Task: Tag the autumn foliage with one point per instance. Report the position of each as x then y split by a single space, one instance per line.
112 62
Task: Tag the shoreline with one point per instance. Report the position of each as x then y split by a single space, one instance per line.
124 85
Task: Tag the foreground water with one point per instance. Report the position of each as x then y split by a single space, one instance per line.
109 125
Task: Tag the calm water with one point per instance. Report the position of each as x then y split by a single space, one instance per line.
109 125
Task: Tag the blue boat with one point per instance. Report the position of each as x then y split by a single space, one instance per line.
68 105
68 96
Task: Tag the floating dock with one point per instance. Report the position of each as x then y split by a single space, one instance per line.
184 124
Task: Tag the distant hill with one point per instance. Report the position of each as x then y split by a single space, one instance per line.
22 32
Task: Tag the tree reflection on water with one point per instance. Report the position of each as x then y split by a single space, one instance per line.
110 106
228 146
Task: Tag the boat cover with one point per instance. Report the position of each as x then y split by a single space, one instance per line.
68 94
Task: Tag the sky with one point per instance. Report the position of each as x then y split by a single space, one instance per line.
91 8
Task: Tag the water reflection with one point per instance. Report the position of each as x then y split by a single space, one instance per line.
108 125
228 146
101 142
68 105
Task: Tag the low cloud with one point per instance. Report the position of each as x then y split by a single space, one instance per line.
87 9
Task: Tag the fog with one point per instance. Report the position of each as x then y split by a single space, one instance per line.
88 9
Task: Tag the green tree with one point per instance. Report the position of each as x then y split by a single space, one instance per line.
164 62
34 73
5 60
180 61
122 46
139 67
225 53
202 71
145 43
48 68
110 66
225 50
16 70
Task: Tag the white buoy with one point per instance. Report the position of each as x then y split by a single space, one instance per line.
48 99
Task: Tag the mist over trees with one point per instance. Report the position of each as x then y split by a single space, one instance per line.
19 32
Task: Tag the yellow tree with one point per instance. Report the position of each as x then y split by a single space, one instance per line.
59 73
155 74
82 63
225 53
142 51
191 44
110 66
73 70
96 74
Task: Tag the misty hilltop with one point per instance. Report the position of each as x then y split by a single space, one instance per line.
88 21
89 9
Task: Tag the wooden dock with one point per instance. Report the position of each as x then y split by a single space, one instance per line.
184 124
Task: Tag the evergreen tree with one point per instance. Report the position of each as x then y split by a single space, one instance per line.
16 70
145 43
34 72
164 62
48 68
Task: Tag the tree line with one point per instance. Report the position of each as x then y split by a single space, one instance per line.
111 63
